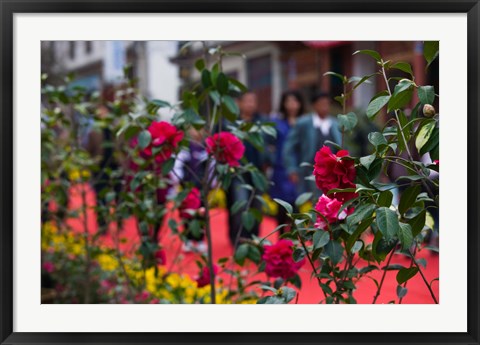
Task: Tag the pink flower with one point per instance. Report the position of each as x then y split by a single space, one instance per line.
190 204
161 257
142 297
204 277
331 172
226 148
48 266
279 260
164 136
436 162
329 208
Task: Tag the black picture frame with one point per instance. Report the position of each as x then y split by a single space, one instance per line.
10 7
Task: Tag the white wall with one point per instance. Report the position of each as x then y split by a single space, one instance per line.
163 79
364 65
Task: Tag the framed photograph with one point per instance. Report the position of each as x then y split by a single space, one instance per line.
239 172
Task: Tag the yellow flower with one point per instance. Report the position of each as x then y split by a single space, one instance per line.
107 262
217 198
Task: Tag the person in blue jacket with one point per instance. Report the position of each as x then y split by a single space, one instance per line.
291 107
310 133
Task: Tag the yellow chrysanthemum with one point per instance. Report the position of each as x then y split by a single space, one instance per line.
107 262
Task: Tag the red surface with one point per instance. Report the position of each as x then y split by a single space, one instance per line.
310 293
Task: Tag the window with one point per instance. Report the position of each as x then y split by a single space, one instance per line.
259 80
88 47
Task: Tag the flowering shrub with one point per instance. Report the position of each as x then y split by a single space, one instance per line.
356 217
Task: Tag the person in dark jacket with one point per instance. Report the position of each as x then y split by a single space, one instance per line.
309 134
291 108
248 106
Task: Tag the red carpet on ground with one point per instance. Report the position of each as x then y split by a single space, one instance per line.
310 293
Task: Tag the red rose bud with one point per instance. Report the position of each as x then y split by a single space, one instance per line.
226 148
429 110
279 260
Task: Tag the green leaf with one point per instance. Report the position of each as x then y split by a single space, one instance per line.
402 95
426 94
372 53
254 254
206 79
241 253
238 85
430 51
385 198
231 105
194 227
144 139
303 198
406 274
285 205
405 235
348 121
168 166
367 160
259 181
362 212
387 222
200 64
356 247
417 223
432 143
342 78
362 80
357 233
238 205
403 66
215 96
298 254
222 83
424 134
376 105
377 139
320 238
288 293
248 220
409 196
334 251
401 291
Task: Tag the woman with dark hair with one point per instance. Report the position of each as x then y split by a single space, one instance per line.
291 107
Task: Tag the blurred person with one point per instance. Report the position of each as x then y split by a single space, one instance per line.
248 106
291 108
309 134
189 169
101 145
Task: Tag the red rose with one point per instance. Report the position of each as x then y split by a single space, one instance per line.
160 257
204 277
48 266
190 204
226 148
164 136
329 208
332 172
279 260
